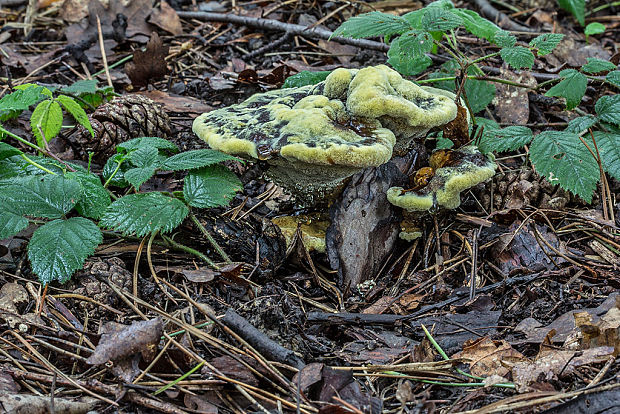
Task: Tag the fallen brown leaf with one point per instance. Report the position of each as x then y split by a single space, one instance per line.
149 65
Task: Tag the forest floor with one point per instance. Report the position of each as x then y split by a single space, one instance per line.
144 327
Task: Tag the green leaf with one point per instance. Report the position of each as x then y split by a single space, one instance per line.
518 57
608 109
414 43
145 213
614 78
76 112
572 87
372 24
546 42
12 104
561 158
304 78
506 139
48 116
144 157
110 170
138 176
212 186
50 196
155 142
95 198
195 159
11 223
443 142
7 151
503 38
476 25
405 64
576 7
80 87
594 28
59 248
437 19
609 149
479 94
595 65
580 124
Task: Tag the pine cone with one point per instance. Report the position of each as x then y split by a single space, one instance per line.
121 119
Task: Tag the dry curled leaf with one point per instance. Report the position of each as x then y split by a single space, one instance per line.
149 65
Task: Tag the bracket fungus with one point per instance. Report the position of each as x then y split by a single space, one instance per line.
454 172
314 137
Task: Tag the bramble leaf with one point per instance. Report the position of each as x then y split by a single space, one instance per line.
81 86
437 19
576 7
613 77
7 151
144 213
59 248
407 52
305 77
11 223
372 24
572 87
595 65
580 124
12 104
95 198
189 160
77 112
155 142
609 149
212 186
144 156
138 176
479 94
546 42
518 57
477 25
505 139
48 116
561 158
503 38
608 109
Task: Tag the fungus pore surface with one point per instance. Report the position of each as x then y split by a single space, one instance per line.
316 136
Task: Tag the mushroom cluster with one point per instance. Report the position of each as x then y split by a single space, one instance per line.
314 137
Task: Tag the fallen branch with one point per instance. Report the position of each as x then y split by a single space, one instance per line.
275 25
502 19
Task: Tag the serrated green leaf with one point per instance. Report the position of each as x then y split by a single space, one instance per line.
95 198
12 104
82 86
305 77
155 142
580 124
594 28
608 109
503 38
572 87
546 42
11 223
189 160
138 176
59 248
7 151
144 157
145 213
613 77
115 174
414 43
561 158
50 196
595 65
477 25
437 19
506 139
479 94
372 24
518 57
608 144
76 112
576 7
48 116
212 186
407 65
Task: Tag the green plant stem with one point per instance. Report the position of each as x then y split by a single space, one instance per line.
105 185
181 378
113 65
481 58
603 7
20 139
204 231
189 250
482 78
39 166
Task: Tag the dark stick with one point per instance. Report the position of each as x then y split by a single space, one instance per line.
293 29
381 319
504 20
259 340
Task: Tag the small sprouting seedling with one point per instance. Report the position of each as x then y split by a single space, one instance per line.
593 29
74 204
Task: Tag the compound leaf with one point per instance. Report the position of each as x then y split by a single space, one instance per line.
518 57
195 159
563 159
572 87
144 213
372 24
48 116
77 112
59 248
210 187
